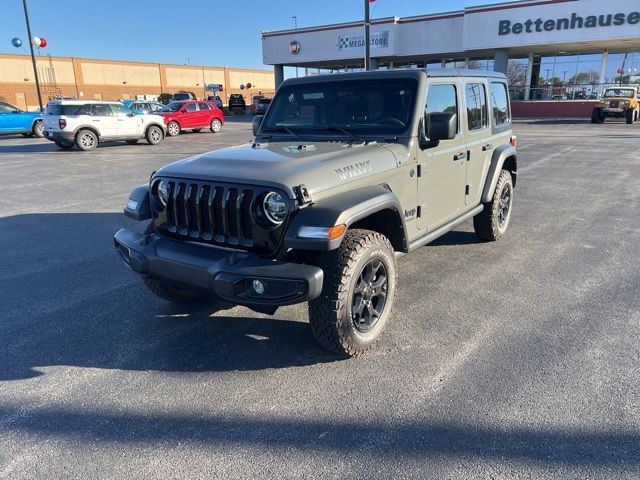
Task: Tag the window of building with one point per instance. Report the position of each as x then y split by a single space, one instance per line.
623 68
500 104
476 97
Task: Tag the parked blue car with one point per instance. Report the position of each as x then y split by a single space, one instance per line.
140 107
14 120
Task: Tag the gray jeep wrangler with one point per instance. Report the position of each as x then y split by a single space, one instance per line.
347 173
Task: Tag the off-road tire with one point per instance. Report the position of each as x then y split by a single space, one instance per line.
86 140
154 135
64 145
169 292
330 315
173 129
132 141
596 116
38 129
487 223
630 116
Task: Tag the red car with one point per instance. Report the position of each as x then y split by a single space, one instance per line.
191 115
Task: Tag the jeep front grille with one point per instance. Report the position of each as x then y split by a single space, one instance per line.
214 213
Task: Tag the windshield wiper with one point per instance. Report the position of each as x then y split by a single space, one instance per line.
281 128
344 130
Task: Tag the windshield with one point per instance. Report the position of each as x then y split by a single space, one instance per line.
172 107
6 108
375 106
619 93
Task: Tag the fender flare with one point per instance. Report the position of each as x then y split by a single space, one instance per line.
500 155
345 208
87 127
156 124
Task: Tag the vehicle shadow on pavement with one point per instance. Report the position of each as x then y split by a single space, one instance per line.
456 237
50 147
70 302
400 441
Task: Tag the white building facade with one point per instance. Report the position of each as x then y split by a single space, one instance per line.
550 49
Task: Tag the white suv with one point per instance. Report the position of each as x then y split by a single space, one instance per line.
86 123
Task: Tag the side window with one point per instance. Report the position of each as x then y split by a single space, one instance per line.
500 104
83 110
191 107
441 99
476 98
100 110
119 110
203 106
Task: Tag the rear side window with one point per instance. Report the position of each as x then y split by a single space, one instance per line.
60 109
500 104
476 98
191 107
203 106
442 99
100 110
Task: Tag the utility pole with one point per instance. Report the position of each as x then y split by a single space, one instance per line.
367 37
33 57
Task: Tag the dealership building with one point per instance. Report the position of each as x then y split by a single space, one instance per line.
551 50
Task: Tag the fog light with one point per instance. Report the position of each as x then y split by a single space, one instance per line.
258 287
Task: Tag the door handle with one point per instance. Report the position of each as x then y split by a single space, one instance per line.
95 120
460 156
488 146
121 119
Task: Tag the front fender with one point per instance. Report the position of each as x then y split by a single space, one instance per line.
500 155
346 208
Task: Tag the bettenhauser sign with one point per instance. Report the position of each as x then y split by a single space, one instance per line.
506 27
547 22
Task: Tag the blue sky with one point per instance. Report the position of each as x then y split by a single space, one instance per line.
171 32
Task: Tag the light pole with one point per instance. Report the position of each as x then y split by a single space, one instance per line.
33 57
367 36
295 26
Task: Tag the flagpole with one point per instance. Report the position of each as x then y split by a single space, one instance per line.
367 37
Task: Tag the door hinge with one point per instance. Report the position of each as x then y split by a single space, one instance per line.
466 190
419 170
418 211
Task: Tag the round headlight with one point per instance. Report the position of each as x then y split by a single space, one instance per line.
163 192
274 207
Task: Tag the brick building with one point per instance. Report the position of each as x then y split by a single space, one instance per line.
118 80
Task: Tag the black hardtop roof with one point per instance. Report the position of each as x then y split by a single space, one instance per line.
399 73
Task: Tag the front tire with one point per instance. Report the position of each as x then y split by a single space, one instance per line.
596 116
173 129
493 221
357 295
216 125
154 135
169 292
631 117
86 140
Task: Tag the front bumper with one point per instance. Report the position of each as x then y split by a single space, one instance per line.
228 275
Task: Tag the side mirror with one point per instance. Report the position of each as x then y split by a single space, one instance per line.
436 127
257 121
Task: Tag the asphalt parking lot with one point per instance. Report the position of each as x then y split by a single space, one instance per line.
515 359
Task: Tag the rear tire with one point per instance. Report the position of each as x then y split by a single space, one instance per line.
154 135
86 140
64 145
357 295
173 129
38 129
492 222
631 114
